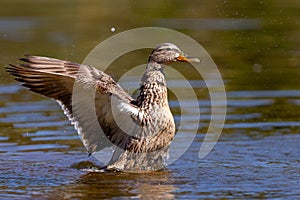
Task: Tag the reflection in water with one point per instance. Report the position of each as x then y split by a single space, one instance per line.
154 185
13 27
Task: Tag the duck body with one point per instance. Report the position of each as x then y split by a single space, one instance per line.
140 130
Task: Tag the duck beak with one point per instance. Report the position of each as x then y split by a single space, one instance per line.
183 58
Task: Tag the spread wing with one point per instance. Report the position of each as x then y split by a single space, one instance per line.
90 98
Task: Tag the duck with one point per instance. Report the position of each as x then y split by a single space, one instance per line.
140 130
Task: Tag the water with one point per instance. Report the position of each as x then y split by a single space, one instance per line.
255 45
257 159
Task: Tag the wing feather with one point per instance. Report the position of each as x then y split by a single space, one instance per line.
89 97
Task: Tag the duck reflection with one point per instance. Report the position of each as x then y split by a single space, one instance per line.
150 185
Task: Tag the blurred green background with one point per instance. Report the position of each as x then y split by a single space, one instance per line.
255 44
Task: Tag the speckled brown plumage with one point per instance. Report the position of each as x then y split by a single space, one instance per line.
141 129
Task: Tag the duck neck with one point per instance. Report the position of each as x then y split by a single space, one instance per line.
153 90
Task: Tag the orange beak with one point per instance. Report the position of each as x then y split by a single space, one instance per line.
183 58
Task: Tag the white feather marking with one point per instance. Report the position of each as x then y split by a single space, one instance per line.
70 117
124 107
73 122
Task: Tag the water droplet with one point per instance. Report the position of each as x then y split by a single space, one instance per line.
257 67
112 29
